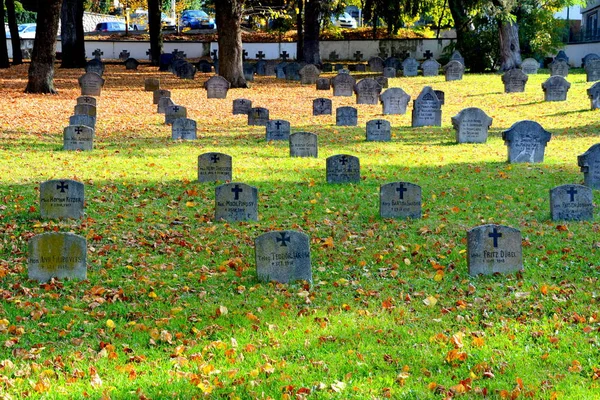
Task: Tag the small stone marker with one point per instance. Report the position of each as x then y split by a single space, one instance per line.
249 71
454 71
278 129
91 84
85 109
400 200
82 119
589 162
61 199
376 64
592 70
555 88
427 109
430 67
78 137
572 203
216 87
174 112
526 141
456 56
241 106
514 81
157 94
57 255
589 57
280 70
343 168
96 66
394 101
494 248
322 106
304 144
561 55
163 104
184 129
87 100
236 202
292 71
204 66
98 54
131 64
343 85
594 95
213 167
471 125
323 84
410 67
530 66
559 67
309 74
379 130
185 70
283 256
258 116
367 91
346 116
389 72
261 67
124 55
391 62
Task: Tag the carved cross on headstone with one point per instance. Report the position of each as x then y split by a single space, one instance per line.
401 189
176 108
244 55
379 123
333 56
283 239
260 55
572 192
98 54
236 190
284 56
495 235
214 54
124 55
278 124
428 54
358 55
343 160
62 187
78 130
215 158
323 101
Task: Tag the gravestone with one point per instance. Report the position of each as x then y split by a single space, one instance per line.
494 249
391 62
157 94
91 84
526 142
343 168
410 67
174 112
562 56
124 55
57 255
383 81
594 95
589 163
97 54
454 71
379 130
283 256
96 66
165 61
78 137
61 199
530 66
163 104
249 71
270 68
304 144
175 65
213 167
559 67
322 106
430 67
456 56
184 129
343 85
216 87
376 64
592 70
278 129
204 66
87 100
389 72
85 109
394 101
82 119
280 70
571 203
471 125
185 70
323 84
400 200
292 71
555 88
367 91
346 116
151 84
241 106
427 109
236 202
258 116
514 80
131 64
261 67
589 57
309 74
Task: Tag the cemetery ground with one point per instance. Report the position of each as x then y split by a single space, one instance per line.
172 306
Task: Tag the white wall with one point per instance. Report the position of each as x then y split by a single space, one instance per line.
576 52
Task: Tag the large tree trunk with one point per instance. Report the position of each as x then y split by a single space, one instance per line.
71 34
312 51
300 31
156 37
14 32
41 70
510 51
3 48
229 19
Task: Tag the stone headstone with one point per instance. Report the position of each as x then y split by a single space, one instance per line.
249 71
283 256
383 81
78 137
98 54
471 125
131 64
204 66
427 109
559 67
343 85
454 71
124 55
277 129
280 69
346 116
163 104
186 70
400 200
514 80
57 255
95 65
157 94
494 249
526 141
322 106
555 88
174 112
376 64
303 144
592 70
236 202
87 100
379 130
176 65
85 109
410 67
571 203
430 67
589 163
309 74
367 91
323 84
456 56
530 66
594 95
91 84
343 168
270 68
184 129
389 72
589 57
562 56
151 84
165 61
292 71
394 101
258 116
61 199
261 67
241 106
82 119
213 167
391 62
216 87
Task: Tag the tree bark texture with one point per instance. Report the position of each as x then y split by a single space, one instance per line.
229 19
156 37
14 32
510 51
3 48
312 50
71 34
300 31
41 70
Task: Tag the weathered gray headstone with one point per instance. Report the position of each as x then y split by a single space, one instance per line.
95 65
343 168
561 55
526 142
213 167
394 101
343 85
241 106
379 130
91 84
389 72
367 91
430 67
376 64
559 67
82 119
594 95
454 71
258 116
555 88
57 255
292 71
283 256
151 84
391 62
400 200
131 64
78 137
280 70
163 104
471 125
494 249
427 109
157 94
589 57
346 116
309 74
322 106
87 100
270 68
174 112
61 199
278 129
410 67
304 144
204 66
184 129
589 163
361 68
514 80
592 70
216 87
85 109
572 203
456 56
323 84
249 71
236 202
261 67
530 66
185 70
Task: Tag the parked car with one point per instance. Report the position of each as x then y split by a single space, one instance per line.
26 31
196 19
139 21
110 26
344 20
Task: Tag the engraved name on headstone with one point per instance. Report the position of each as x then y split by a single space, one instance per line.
471 125
379 130
427 109
78 137
572 203
400 200
304 144
57 255
61 198
394 101
277 129
367 91
343 85
514 80
174 112
322 106
184 129
236 202
213 167
91 84
556 88
494 249
343 168
283 256
526 142
216 87
454 70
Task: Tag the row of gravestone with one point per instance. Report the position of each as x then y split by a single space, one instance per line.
79 134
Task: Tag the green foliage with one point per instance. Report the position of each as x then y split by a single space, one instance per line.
540 33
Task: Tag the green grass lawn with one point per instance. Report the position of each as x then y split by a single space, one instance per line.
172 306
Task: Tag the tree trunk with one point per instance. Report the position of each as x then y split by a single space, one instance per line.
510 52
71 34
41 70
156 37
3 48
312 51
300 31
14 32
229 19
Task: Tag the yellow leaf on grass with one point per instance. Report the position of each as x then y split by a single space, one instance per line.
110 324
430 301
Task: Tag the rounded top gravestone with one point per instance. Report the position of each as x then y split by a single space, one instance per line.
283 256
